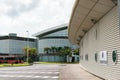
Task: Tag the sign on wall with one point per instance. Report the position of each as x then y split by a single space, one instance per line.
103 57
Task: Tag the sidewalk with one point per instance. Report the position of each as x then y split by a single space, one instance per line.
75 72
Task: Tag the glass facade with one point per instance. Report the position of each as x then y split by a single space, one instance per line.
11 46
43 43
17 46
58 33
53 42
4 46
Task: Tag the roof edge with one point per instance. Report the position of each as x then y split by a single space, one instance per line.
73 11
63 26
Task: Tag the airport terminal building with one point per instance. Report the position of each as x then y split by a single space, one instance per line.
53 37
13 45
95 27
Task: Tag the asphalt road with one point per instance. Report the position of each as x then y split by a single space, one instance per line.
34 72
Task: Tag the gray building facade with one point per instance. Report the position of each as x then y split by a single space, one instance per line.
54 37
12 44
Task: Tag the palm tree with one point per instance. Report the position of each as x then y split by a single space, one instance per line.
76 51
67 51
53 49
59 49
32 53
56 49
46 50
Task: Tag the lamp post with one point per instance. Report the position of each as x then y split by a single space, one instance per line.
27 45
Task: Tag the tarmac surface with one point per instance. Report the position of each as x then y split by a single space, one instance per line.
46 72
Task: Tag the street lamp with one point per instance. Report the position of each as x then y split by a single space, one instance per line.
27 45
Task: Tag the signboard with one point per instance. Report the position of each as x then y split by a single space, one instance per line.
103 57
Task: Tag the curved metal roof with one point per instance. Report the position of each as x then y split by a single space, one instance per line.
51 30
85 14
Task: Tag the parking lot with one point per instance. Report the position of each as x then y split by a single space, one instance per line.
34 72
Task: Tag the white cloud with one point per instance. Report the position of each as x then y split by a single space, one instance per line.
34 15
20 6
3 8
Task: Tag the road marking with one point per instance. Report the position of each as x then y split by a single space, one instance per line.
46 77
55 77
37 76
29 72
36 72
28 76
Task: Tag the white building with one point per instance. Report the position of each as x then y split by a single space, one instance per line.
95 27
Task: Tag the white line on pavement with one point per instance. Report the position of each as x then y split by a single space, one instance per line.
26 76
29 72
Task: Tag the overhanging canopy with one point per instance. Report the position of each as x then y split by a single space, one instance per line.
85 14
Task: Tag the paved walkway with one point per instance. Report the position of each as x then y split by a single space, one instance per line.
75 72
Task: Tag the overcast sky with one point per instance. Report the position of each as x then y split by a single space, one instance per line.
18 16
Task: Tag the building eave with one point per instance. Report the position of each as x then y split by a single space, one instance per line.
86 13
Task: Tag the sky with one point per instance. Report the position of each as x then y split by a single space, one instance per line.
20 16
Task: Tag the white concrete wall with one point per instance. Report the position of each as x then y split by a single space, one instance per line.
103 36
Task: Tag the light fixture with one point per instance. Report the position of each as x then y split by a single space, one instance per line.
84 31
93 21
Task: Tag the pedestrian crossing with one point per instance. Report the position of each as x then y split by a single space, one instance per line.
38 72
19 72
29 76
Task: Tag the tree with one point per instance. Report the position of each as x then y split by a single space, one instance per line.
53 49
76 51
32 53
66 51
59 49
46 50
